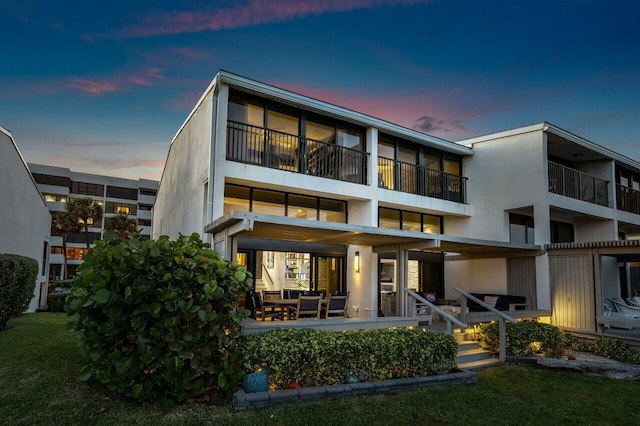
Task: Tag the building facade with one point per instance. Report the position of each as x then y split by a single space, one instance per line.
315 196
115 195
20 233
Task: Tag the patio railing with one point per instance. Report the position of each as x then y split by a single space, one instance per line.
576 184
278 150
414 297
414 179
627 199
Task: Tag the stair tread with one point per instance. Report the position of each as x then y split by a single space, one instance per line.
479 364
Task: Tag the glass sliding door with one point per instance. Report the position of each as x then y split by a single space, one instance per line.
327 274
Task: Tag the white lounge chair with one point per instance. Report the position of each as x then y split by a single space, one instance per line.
623 308
633 301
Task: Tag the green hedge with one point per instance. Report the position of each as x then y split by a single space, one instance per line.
525 339
18 276
159 320
608 348
55 302
317 358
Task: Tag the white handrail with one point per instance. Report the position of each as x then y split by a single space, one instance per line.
502 317
486 306
450 318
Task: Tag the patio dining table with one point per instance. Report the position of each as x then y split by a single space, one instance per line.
286 304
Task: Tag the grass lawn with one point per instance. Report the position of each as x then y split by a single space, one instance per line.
39 366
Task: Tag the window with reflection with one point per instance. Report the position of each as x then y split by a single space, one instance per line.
409 221
278 203
521 229
268 202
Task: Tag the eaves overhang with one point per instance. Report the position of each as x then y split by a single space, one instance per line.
255 225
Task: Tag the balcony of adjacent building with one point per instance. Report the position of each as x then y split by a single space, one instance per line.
414 179
283 151
573 183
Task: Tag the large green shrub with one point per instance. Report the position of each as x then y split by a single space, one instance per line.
55 302
525 339
325 357
18 276
609 348
158 320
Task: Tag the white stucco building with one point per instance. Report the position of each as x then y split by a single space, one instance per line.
309 194
25 222
135 197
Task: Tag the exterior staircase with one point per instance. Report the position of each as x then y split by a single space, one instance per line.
470 355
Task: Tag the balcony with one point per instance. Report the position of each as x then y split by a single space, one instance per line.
277 150
627 199
578 185
415 179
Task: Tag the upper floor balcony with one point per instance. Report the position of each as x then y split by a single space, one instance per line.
627 199
277 150
578 185
415 179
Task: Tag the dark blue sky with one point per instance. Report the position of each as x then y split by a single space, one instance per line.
102 87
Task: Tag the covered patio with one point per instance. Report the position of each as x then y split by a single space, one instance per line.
363 245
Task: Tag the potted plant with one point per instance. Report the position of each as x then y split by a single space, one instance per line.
256 379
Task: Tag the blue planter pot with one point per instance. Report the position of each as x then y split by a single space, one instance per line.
256 382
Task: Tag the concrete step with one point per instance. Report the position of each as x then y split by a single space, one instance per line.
472 355
475 365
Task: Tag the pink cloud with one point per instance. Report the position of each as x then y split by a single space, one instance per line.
252 12
436 113
94 88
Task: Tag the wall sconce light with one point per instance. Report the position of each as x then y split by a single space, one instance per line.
357 261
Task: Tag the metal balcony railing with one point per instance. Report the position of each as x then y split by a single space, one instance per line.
277 150
627 199
414 179
576 184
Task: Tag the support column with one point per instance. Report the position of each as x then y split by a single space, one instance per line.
402 260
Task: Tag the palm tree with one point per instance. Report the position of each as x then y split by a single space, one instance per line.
122 225
87 212
64 224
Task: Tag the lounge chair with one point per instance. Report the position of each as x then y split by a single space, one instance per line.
633 301
622 307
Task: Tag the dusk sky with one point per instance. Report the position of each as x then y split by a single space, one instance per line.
102 87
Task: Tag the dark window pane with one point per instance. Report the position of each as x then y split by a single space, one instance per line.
388 218
268 202
52 180
120 192
411 221
151 192
236 198
302 207
245 109
333 211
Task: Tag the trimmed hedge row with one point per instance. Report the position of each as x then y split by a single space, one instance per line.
159 320
608 348
525 339
18 277
317 358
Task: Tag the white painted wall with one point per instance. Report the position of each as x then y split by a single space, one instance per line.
477 275
25 221
180 203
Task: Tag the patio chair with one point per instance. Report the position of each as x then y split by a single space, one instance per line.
292 293
622 307
308 307
633 301
336 306
264 312
272 295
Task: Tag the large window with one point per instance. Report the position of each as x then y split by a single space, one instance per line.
279 203
130 209
84 188
409 221
52 180
120 192
74 253
521 229
55 198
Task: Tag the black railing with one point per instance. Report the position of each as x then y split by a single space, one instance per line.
419 180
277 150
627 199
576 184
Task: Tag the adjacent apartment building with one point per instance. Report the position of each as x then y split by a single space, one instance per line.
116 195
311 195
20 233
